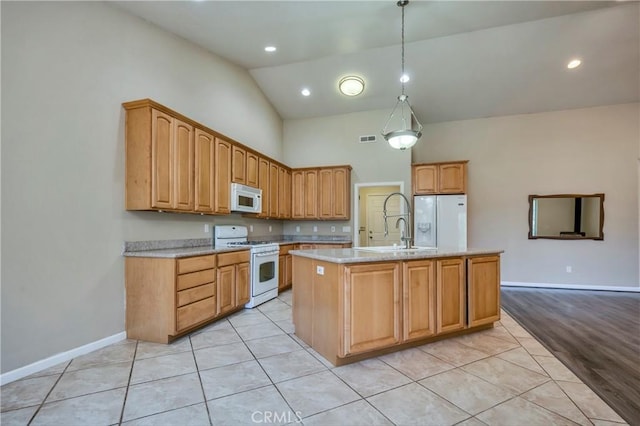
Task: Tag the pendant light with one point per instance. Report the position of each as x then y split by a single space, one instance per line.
406 136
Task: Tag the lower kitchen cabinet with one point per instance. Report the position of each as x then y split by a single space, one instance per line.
284 267
371 307
233 281
167 297
451 295
419 299
484 295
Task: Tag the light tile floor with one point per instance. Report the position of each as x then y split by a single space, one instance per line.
251 369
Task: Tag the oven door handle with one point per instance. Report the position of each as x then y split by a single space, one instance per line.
271 253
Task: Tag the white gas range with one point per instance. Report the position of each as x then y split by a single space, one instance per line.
263 264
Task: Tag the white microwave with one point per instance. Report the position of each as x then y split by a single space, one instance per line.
245 199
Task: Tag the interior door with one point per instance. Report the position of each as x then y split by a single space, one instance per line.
375 220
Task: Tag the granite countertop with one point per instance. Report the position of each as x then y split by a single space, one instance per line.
203 246
350 255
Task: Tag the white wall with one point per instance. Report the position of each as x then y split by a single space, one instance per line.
334 140
66 69
578 151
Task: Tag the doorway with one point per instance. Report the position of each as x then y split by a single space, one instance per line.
368 223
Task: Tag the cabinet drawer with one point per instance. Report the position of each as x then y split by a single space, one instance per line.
232 258
196 278
192 264
195 312
196 293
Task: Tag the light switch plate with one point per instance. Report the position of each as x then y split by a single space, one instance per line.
270 228
346 229
315 229
297 229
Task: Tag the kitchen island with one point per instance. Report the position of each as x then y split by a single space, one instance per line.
351 304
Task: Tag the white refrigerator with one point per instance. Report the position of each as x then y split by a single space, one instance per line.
440 221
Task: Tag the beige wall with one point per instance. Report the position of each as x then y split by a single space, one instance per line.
66 69
578 151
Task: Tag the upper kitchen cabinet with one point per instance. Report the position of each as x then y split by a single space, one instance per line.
322 193
159 160
222 170
205 193
252 177
439 178
238 165
284 193
264 167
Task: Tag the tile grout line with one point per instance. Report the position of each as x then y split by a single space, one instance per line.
204 395
126 392
48 393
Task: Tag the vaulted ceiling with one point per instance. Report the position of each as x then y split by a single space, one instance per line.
466 59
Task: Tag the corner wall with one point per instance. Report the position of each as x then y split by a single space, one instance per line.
576 151
66 69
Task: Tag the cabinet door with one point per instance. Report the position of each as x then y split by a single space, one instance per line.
450 293
162 164
288 267
222 172
310 194
425 179
282 271
238 165
371 307
204 162
283 193
452 178
274 171
243 290
226 293
297 194
325 193
419 299
183 165
263 184
252 170
287 198
341 193
484 290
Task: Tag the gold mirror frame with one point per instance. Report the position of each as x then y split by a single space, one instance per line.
570 234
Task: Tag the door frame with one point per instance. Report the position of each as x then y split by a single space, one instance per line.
356 205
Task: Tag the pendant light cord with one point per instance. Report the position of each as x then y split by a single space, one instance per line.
402 78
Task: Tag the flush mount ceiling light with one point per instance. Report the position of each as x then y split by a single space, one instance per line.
406 136
270 49
574 63
351 85
305 92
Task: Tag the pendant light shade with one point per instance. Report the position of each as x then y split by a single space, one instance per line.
410 129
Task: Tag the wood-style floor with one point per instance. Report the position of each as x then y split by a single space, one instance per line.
596 334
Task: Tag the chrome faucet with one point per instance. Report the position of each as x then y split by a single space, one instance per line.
405 234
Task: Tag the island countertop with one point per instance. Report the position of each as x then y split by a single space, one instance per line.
355 255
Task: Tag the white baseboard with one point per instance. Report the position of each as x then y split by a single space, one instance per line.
571 286
43 364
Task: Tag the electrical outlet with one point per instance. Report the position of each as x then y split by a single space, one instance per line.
297 229
569 269
250 228
333 229
206 228
270 228
315 229
320 270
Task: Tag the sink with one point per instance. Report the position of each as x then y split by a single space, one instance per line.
394 249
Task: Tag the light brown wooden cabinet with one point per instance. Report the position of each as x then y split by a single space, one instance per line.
264 168
159 161
484 295
204 172
371 307
233 281
284 267
451 295
284 193
166 298
419 299
274 198
439 178
322 193
222 170
252 170
238 165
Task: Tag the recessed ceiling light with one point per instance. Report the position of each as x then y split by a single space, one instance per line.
574 63
305 92
351 85
270 49
404 78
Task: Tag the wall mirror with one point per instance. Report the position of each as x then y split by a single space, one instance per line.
566 216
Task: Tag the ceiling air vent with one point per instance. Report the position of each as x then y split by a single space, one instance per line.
368 139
